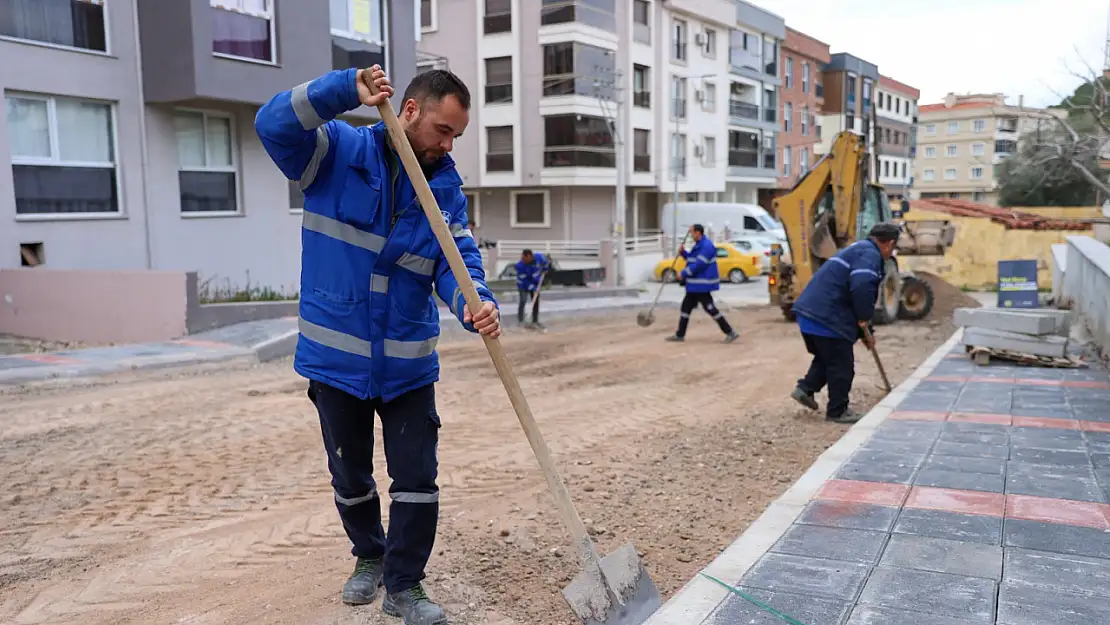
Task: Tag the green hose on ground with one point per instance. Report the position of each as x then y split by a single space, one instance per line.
759 604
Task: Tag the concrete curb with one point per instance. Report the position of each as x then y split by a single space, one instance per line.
16 377
695 601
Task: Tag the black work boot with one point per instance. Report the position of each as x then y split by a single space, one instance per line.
362 586
731 336
414 606
674 338
848 416
804 398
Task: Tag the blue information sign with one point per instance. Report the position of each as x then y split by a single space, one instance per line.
1017 284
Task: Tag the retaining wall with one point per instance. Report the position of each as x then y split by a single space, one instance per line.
1087 286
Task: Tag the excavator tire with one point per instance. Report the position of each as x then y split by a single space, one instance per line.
788 313
890 291
917 299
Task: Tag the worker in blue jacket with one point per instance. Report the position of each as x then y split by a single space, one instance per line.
368 322
530 270
701 278
832 311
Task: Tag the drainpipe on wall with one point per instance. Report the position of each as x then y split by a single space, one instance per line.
142 142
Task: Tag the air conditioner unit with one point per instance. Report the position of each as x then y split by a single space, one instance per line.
699 39
699 95
699 151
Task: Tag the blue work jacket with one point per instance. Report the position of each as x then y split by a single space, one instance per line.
844 290
701 273
528 275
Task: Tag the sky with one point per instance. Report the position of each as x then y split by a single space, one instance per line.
1017 47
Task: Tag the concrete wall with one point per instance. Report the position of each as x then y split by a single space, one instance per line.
93 306
1087 285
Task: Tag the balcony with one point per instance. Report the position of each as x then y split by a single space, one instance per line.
743 158
1007 124
642 99
641 162
743 110
1005 147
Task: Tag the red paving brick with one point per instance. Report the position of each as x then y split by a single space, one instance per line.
952 500
945 378
918 415
1049 510
972 417
1045 422
853 491
1094 426
1082 384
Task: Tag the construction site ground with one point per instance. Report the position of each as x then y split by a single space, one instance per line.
202 496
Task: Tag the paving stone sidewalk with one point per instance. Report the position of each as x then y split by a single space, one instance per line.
981 498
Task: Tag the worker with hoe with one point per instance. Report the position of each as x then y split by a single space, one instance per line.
368 322
833 310
530 270
700 277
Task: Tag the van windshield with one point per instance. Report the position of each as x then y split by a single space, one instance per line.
768 223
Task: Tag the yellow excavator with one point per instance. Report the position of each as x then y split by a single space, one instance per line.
834 205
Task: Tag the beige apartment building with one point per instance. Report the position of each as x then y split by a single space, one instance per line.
961 141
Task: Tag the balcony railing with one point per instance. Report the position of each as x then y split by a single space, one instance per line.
770 114
579 157
768 159
642 98
641 162
743 158
742 58
499 162
745 110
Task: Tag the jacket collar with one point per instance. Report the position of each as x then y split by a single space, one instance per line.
444 174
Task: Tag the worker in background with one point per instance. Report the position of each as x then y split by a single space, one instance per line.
368 325
530 270
700 277
832 311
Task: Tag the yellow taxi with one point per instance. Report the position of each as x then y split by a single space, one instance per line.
732 265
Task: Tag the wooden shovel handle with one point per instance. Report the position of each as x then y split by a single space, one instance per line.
496 352
875 352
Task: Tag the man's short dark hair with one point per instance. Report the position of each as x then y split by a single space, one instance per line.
885 232
437 84
526 253
700 229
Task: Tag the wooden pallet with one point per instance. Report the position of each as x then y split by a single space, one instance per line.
982 356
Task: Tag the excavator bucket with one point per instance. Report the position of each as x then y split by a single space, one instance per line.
930 237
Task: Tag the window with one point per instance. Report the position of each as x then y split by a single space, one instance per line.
597 13
789 71
63 155
641 150
570 68
849 122
786 161
897 137
770 56
929 175
709 47
886 169
886 134
709 103
805 121
641 86
499 80
979 125
709 152
577 141
361 20
805 76
803 160
769 109
951 150
498 17
530 209
428 11
950 173
678 97
678 40
206 161
641 22
678 154
898 105
850 84
245 28
976 173
69 23
474 208
977 149
930 152
499 148
787 116
866 93
930 129
953 127
743 149
903 170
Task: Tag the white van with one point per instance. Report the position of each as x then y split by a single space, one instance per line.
750 219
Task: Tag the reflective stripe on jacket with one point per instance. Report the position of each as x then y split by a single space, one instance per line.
701 267
843 291
528 274
369 261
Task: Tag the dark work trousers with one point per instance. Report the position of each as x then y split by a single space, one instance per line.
690 302
525 297
410 433
834 364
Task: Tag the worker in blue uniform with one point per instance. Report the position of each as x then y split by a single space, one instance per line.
701 278
530 270
832 311
368 322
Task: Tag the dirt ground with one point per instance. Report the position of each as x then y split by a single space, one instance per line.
201 496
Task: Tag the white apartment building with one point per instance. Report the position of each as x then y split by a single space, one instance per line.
896 111
548 78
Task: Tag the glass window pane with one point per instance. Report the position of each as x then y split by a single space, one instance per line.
207 191
49 189
367 19
190 139
217 141
84 131
28 127
236 34
255 6
340 19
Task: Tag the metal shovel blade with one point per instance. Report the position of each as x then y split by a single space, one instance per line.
626 596
645 318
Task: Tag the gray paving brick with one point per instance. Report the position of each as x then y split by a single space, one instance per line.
1097 437
1061 411
986 428
850 515
984 406
988 466
971 450
941 555
735 609
929 387
1047 438
899 446
928 402
944 594
871 615
908 430
942 478
1029 469
1053 571
1050 456
869 473
938 524
808 576
1074 488
1083 541
1100 459
1019 604
833 543
982 438
887 458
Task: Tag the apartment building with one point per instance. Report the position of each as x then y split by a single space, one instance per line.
128 140
896 135
961 140
554 80
803 62
849 87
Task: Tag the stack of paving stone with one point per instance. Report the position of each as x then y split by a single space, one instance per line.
1035 332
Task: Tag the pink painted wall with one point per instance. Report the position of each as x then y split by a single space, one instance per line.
93 306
